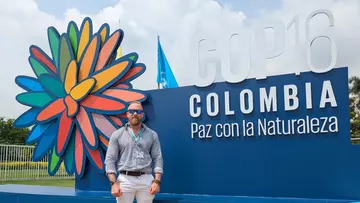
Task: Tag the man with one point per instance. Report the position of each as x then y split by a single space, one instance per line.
134 152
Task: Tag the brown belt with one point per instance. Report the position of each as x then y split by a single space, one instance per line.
132 173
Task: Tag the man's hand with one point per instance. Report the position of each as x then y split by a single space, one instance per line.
116 190
154 188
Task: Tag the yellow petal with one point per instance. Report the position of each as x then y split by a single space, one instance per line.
82 89
70 77
84 38
107 76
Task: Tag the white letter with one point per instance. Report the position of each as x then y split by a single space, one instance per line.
216 104
192 109
288 97
268 100
308 95
327 89
227 104
203 63
250 101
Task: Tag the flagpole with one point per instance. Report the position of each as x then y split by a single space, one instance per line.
158 38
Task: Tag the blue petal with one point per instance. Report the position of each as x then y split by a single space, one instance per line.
46 142
27 119
36 132
29 84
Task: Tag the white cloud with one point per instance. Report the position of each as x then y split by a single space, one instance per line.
180 24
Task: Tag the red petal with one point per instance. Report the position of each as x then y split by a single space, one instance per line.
52 110
101 103
124 95
64 131
116 120
79 152
35 51
96 157
132 71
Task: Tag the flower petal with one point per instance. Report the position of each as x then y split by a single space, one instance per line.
66 55
103 104
29 84
51 111
54 162
72 106
82 89
125 95
37 131
69 158
53 85
104 141
87 127
43 58
88 61
38 67
34 99
103 125
65 130
124 86
133 73
107 76
73 32
104 33
96 157
108 48
79 154
70 76
27 119
54 41
116 120
46 142
85 33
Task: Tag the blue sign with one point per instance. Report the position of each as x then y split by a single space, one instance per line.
285 136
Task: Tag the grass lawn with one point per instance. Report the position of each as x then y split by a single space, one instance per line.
60 183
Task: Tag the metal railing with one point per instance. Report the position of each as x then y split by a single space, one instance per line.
16 164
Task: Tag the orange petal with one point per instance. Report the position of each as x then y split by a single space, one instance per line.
86 126
116 120
131 73
88 60
103 140
102 105
79 152
107 50
42 57
124 95
107 76
71 106
52 110
96 157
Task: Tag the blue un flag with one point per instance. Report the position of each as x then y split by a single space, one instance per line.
165 76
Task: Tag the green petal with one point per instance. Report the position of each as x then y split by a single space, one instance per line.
53 85
66 55
54 162
69 159
54 41
38 67
34 99
73 36
132 57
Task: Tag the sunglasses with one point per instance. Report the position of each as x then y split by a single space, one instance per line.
132 111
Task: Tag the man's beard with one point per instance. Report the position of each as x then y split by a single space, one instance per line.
135 121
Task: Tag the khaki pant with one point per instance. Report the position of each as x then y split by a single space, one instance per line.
138 187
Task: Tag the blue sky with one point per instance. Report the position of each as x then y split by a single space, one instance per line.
57 8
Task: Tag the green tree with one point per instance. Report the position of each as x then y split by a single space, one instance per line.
354 90
11 135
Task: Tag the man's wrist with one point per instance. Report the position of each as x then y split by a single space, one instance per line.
157 181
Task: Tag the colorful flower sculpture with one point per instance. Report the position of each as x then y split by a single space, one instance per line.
79 96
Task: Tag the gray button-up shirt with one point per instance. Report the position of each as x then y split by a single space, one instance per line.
124 154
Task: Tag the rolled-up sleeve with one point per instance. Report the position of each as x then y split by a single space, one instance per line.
156 155
112 154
